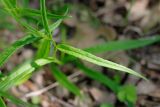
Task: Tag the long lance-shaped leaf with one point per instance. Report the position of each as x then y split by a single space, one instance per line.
98 76
15 46
2 103
118 45
123 45
15 100
44 17
94 59
63 80
23 72
34 12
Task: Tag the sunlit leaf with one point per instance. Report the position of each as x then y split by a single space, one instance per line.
23 72
94 59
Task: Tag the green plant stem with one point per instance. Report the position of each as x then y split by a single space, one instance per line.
44 17
45 23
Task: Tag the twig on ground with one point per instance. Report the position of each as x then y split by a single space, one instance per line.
43 90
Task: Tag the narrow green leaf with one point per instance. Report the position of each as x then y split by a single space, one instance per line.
15 46
15 100
44 49
34 12
2 103
53 26
63 80
44 17
98 77
123 45
23 72
94 59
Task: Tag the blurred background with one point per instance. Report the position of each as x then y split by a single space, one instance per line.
92 22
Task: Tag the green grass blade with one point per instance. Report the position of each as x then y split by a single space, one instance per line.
63 80
44 49
54 25
98 77
2 103
34 12
4 56
94 59
123 45
23 72
44 17
15 100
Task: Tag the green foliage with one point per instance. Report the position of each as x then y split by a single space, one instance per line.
126 93
106 105
99 77
4 56
2 103
120 91
63 80
44 49
123 45
23 72
94 59
44 18
15 100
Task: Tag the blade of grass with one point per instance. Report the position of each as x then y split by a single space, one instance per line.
23 72
15 100
44 17
123 45
54 25
94 59
117 45
63 80
34 12
15 46
2 102
98 77
44 49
